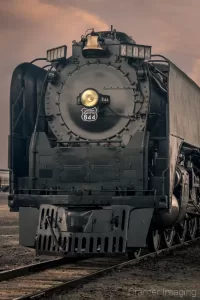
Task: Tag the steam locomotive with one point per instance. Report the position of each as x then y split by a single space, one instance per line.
104 149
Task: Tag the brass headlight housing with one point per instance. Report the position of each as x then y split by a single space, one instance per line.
89 98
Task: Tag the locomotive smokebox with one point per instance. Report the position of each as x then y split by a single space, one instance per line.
102 112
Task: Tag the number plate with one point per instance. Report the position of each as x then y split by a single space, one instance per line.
123 50
89 114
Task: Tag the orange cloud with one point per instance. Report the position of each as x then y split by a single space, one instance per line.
51 25
43 26
28 28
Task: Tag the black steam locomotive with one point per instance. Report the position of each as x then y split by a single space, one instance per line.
104 149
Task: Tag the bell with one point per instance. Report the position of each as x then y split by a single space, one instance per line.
92 43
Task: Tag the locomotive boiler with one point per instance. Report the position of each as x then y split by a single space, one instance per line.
104 149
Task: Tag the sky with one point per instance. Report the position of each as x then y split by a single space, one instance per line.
29 27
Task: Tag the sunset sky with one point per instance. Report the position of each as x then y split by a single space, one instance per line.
29 27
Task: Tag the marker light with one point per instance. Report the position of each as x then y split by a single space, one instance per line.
136 51
58 53
89 98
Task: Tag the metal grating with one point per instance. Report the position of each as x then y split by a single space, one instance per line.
76 242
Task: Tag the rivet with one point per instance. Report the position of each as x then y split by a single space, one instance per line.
126 74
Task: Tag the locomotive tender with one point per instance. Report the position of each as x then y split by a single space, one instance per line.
104 149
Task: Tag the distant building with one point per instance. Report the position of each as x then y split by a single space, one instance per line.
4 180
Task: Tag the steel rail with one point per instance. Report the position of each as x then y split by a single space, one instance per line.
33 268
67 284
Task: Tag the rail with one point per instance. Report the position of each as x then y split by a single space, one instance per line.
44 279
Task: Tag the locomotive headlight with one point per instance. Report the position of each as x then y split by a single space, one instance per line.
89 98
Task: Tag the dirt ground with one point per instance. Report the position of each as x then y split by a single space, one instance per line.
11 254
175 276
170 277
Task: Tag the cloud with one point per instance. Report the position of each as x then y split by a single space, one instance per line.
28 29
167 25
40 24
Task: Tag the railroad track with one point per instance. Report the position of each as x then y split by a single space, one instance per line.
43 279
